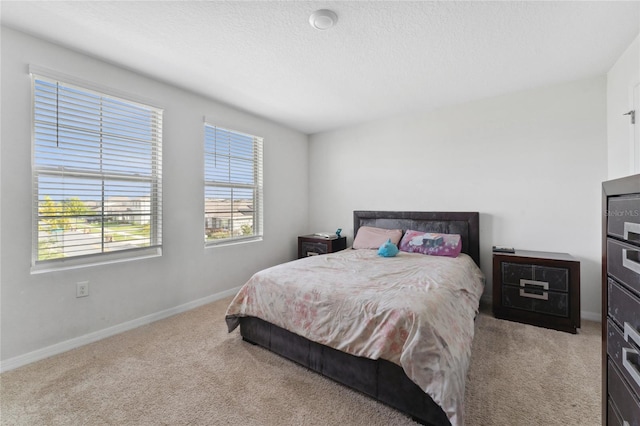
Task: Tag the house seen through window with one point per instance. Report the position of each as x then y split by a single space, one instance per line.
97 162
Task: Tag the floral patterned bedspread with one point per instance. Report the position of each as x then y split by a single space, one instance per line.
414 310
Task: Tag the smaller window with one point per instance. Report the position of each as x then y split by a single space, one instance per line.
233 185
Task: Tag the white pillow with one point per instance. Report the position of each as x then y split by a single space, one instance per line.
369 237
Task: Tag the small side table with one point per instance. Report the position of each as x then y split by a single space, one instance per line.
312 245
538 288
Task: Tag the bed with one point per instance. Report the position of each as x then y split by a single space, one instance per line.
415 365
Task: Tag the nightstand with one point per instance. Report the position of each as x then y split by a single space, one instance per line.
311 245
538 288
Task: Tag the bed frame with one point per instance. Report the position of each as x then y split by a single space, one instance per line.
380 379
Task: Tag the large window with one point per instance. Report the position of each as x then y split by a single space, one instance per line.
96 174
233 185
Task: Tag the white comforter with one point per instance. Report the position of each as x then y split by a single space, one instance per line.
414 310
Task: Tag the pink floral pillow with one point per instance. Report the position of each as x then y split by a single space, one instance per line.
369 237
431 243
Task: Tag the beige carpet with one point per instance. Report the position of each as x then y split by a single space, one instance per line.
187 370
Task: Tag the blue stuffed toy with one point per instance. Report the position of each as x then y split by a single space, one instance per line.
388 249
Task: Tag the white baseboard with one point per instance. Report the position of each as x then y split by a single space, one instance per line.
76 342
591 316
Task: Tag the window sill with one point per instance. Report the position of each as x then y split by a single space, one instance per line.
95 260
232 242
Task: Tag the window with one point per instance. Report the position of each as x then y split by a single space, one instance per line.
233 185
96 174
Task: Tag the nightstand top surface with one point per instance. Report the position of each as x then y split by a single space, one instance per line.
318 237
539 255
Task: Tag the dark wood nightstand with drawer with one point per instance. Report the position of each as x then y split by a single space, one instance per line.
538 288
311 245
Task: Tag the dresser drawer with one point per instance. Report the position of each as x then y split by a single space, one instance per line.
623 306
618 350
534 300
310 248
556 279
623 263
624 218
623 399
613 417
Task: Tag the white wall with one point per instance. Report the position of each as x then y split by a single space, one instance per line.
621 79
531 163
41 310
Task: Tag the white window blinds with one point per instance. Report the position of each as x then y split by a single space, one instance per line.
97 173
233 185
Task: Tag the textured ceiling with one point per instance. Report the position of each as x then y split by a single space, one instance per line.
381 59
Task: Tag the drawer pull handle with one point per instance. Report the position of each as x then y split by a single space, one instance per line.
630 332
629 263
633 334
629 366
536 286
631 228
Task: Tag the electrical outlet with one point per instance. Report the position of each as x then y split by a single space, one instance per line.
82 289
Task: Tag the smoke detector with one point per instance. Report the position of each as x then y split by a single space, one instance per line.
323 19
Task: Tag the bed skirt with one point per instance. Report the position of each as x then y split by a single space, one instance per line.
379 379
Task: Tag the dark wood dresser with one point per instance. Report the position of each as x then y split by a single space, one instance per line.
311 245
621 302
538 288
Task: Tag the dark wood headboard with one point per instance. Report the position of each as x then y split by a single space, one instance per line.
466 224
